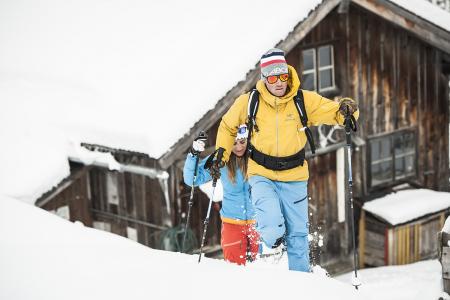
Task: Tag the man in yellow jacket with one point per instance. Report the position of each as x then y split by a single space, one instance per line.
277 171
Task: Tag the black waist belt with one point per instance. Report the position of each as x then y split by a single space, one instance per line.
277 163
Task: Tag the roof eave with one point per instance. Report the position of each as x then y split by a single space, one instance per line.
423 29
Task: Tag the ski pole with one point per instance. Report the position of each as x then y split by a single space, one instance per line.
202 135
350 125
206 222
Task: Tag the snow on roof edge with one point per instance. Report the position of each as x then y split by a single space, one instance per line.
408 205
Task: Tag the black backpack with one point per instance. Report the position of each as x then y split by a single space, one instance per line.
253 105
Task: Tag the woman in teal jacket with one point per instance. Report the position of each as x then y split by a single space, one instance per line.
239 238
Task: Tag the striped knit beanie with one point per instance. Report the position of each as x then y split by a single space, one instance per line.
273 63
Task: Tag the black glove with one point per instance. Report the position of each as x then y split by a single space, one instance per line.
199 143
214 170
214 165
347 106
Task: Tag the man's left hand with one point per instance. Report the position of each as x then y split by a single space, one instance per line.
347 106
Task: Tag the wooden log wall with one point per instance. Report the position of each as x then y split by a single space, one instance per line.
76 197
398 81
323 211
141 203
372 241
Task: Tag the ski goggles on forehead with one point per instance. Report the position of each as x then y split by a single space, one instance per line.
242 132
274 78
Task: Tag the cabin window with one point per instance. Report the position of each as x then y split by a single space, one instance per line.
112 191
309 69
318 69
392 157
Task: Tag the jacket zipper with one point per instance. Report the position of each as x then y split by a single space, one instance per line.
276 122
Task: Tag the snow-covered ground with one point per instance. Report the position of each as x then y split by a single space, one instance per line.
418 281
43 256
99 72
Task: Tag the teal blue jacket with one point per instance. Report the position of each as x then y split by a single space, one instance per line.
236 206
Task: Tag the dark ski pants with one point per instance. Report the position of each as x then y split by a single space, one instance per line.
282 208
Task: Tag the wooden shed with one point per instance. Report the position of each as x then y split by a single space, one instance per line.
401 228
119 191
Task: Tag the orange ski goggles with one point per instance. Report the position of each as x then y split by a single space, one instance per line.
274 78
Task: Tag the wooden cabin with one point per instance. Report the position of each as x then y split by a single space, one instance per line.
135 202
444 255
132 202
396 64
408 237
394 61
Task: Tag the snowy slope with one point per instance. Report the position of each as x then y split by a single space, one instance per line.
418 281
46 257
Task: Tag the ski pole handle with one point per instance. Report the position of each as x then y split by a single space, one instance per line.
219 160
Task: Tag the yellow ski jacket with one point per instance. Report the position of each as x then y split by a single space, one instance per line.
281 132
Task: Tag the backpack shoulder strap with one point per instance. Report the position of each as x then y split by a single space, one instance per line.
252 109
300 105
253 105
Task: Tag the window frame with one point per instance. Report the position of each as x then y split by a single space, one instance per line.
332 67
394 178
317 68
314 69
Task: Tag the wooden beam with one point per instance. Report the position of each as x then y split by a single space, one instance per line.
362 238
127 219
343 7
424 30
222 106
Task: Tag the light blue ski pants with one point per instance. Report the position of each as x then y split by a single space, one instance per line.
282 207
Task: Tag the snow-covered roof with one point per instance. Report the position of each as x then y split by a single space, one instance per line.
427 11
403 206
132 75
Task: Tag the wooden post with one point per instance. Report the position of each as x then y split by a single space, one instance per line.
444 258
362 238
